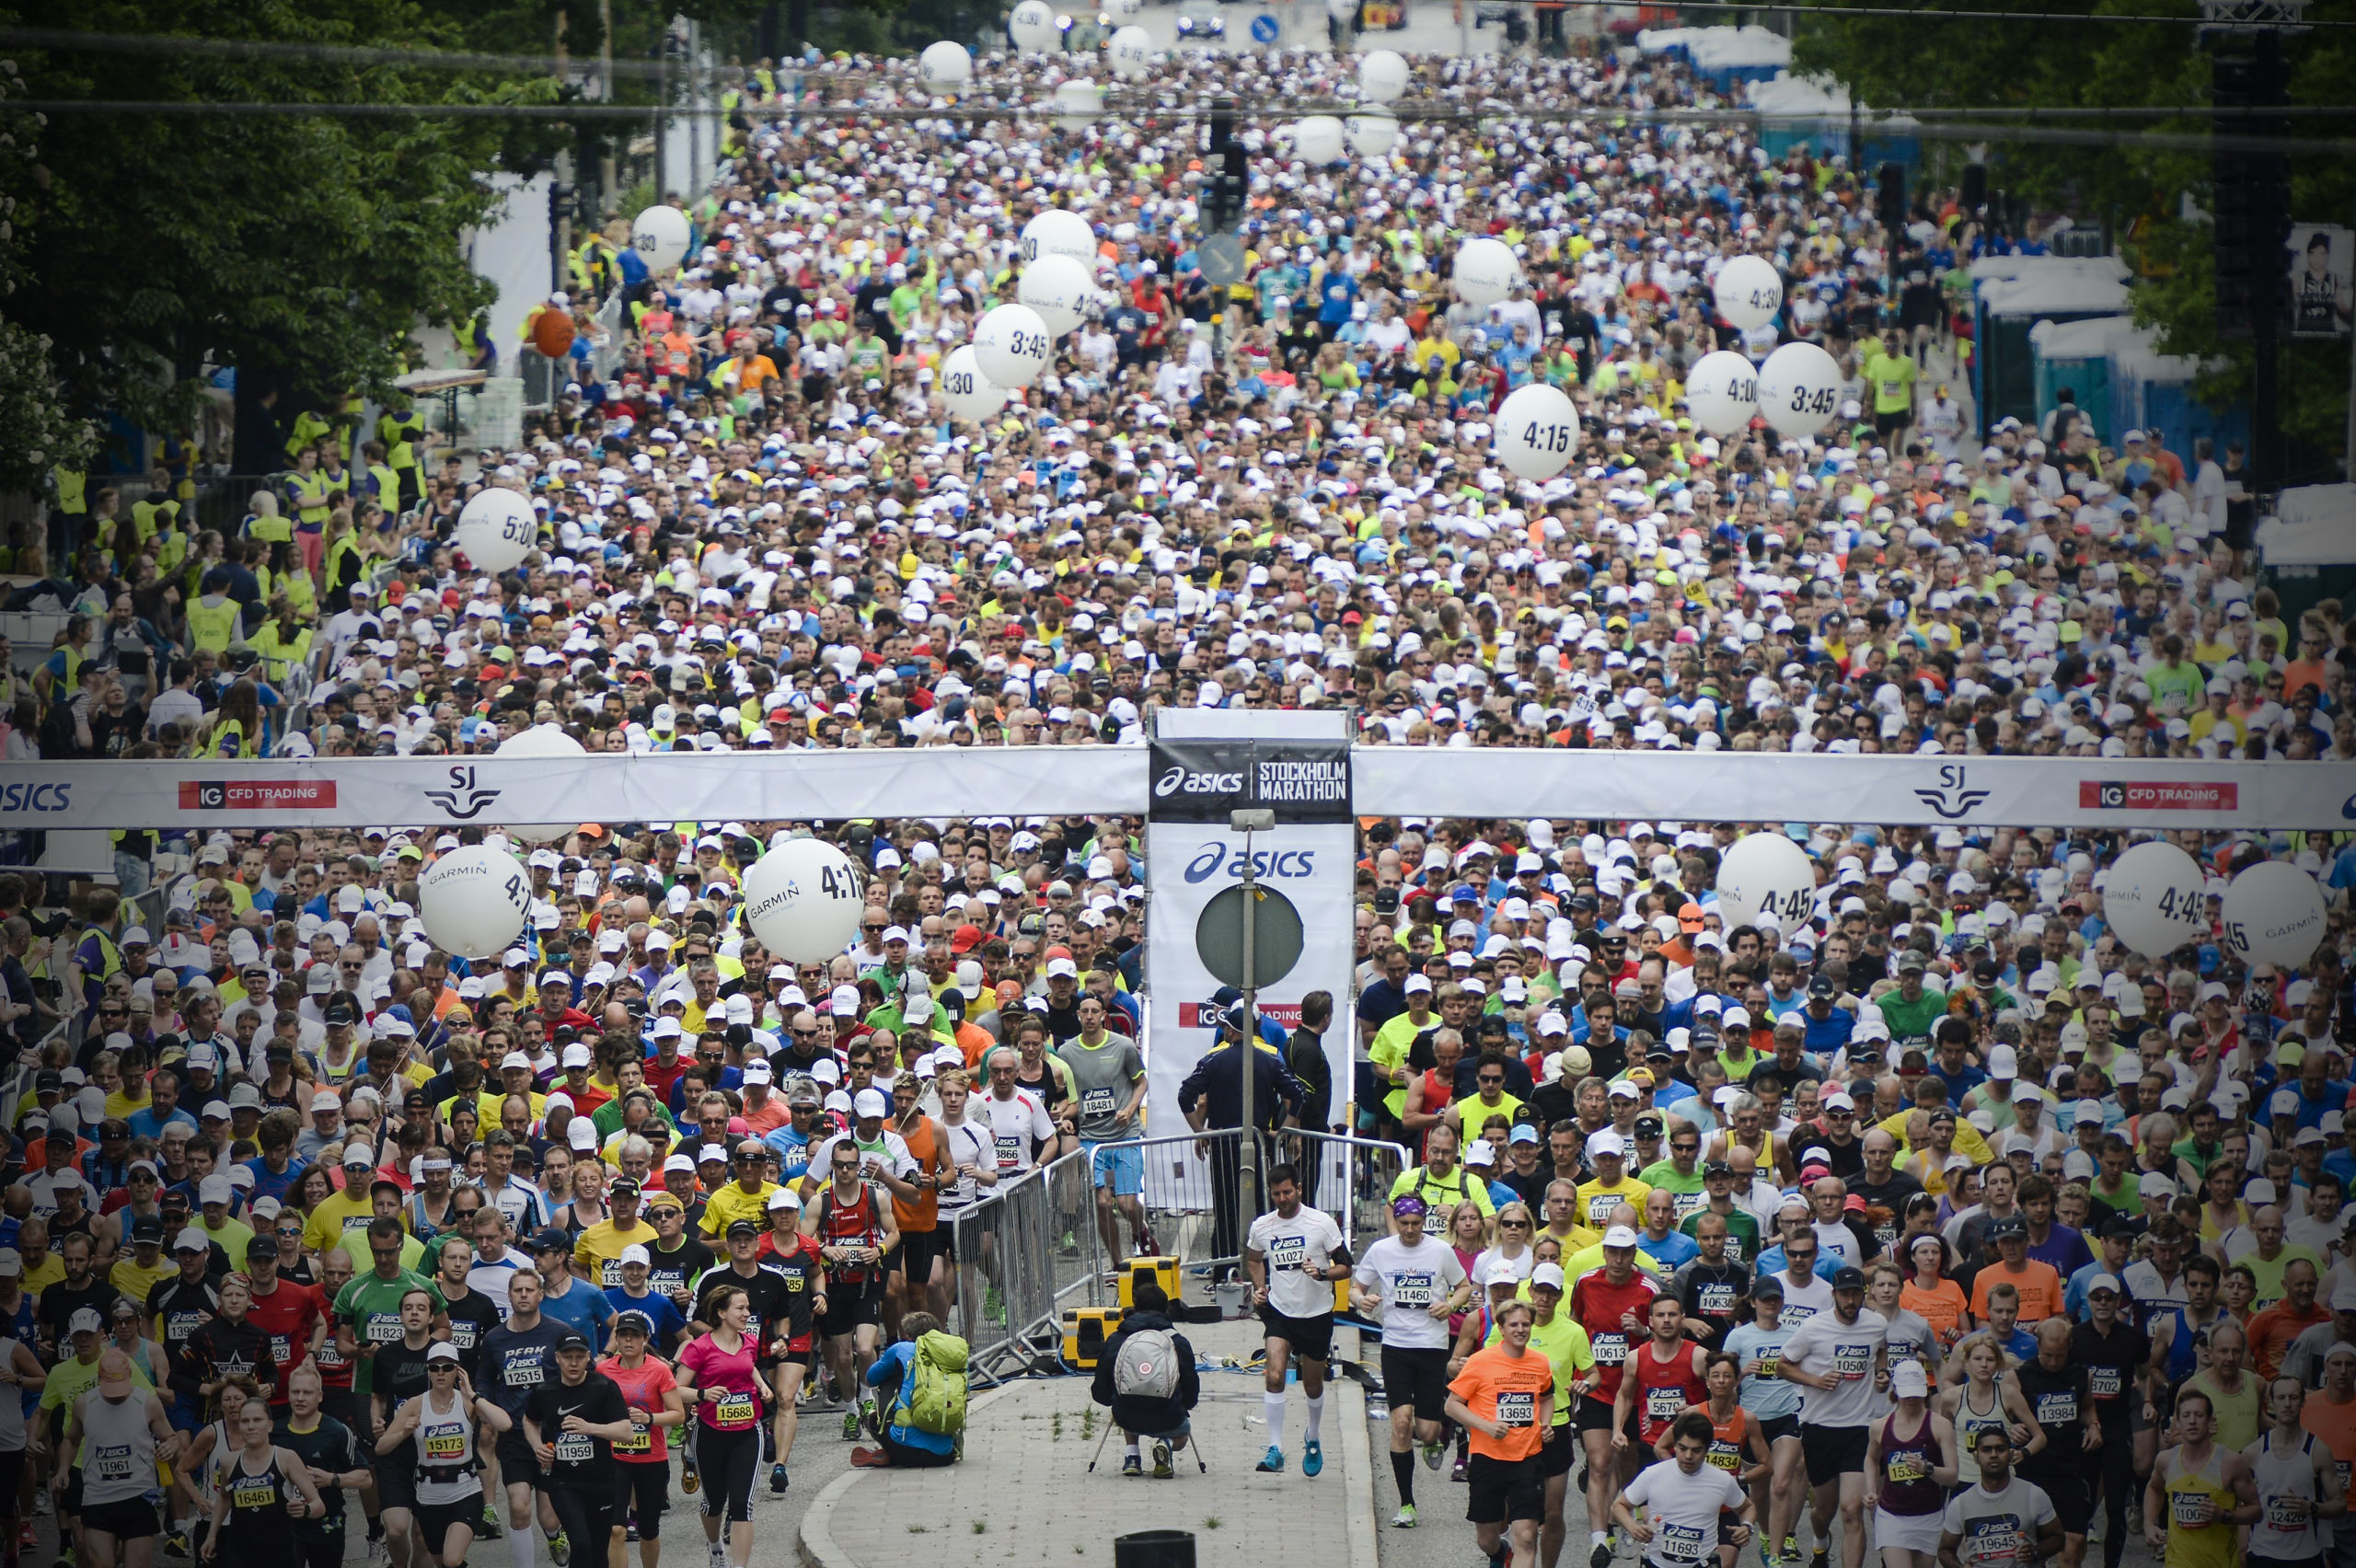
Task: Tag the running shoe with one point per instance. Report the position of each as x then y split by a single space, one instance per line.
851 1415
1601 1556
561 1548
1132 1465
1162 1470
870 1458
174 1544
491 1529
1313 1456
1433 1452
690 1478
1272 1462
777 1481
1456 1470
1405 1519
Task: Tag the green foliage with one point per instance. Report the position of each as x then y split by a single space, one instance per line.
1927 62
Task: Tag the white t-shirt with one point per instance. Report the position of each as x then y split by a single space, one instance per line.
1851 1352
892 1158
1291 1246
1803 1302
1409 1280
1015 1124
1999 1528
1682 1511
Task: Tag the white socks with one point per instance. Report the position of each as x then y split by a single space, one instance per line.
1316 1416
1273 1405
523 1545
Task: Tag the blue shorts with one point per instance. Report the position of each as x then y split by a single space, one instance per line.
1184 1428
185 1414
1120 1166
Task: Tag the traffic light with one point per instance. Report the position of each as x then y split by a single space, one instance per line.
1230 175
2250 192
1889 201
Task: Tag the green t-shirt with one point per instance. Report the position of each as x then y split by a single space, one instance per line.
1390 1050
1893 382
1910 1023
1689 1190
373 1308
1743 1232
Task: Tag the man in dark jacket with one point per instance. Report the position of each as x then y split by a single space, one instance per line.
1150 1392
1211 1099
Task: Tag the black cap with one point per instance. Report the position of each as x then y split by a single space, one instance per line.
570 1340
2010 1228
1822 986
1717 1167
338 1013
551 1240
1648 1126
1767 1285
743 1227
1849 1277
260 1247
48 1080
623 1188
149 1228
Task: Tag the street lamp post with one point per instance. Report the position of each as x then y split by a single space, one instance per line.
1248 823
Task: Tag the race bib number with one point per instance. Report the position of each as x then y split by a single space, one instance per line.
611 1272
254 1493
2286 1514
1850 1362
445 1443
524 1373
1289 1252
1996 1541
384 1328
1599 1208
282 1348
1679 1543
639 1441
1688 1204
1886 1233
1517 1408
1771 1366
179 1325
462 1335
1610 1350
1010 1151
1662 1404
2104 1382
2188 1508
1725 1455
1098 1102
732 1409
1717 1300
110 1462
1413 1290
2056 1409
1906 1464
575 1448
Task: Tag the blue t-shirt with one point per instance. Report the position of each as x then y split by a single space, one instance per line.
896 1365
145 1123
275 1185
1335 294
669 1321
581 1306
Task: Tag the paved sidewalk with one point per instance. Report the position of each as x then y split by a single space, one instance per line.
1023 1494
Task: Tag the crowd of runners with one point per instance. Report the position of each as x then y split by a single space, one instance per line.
1937 1223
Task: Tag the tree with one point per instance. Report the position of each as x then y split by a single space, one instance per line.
43 433
1927 62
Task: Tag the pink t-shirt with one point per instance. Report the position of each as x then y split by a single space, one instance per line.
713 1367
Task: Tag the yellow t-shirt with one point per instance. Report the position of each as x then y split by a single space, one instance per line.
1596 1201
732 1202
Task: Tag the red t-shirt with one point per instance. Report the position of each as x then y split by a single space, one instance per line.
288 1315
642 1389
1597 1305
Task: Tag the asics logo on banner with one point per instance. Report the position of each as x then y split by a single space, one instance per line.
34 797
1178 781
1269 865
463 801
1951 800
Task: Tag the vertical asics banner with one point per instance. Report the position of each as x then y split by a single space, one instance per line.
1206 764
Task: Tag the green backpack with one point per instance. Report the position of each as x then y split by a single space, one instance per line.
937 1398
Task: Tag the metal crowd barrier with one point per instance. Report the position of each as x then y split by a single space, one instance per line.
1036 1247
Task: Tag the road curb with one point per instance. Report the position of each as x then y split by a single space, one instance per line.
1357 1473
814 1539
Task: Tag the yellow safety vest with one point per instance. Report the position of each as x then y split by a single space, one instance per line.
70 489
336 552
62 689
110 955
147 515
212 626
279 657
400 434
239 744
308 428
302 594
310 505
388 487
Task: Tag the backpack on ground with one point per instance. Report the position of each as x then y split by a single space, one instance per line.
936 1399
1147 1368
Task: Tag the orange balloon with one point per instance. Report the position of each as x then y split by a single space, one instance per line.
552 332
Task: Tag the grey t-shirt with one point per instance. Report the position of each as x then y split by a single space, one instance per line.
1103 1078
1999 1528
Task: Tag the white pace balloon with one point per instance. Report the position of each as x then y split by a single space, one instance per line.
1749 292
1056 232
964 390
1538 430
1080 103
1486 269
660 238
1130 51
1059 288
1032 25
541 740
1318 139
1010 345
497 529
945 67
1373 134
804 900
1799 388
2153 898
1722 392
2274 914
474 900
1382 76
1765 874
